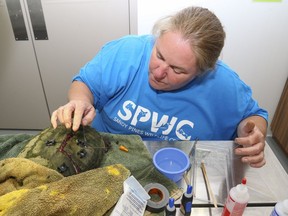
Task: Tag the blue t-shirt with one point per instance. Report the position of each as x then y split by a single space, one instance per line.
210 107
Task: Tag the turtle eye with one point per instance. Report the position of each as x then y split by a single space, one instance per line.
50 142
82 153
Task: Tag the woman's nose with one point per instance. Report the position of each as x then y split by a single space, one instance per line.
161 71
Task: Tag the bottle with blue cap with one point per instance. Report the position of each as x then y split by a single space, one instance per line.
186 201
170 209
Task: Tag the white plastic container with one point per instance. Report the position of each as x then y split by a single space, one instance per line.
237 200
280 209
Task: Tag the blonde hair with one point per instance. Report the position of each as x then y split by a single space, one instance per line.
201 28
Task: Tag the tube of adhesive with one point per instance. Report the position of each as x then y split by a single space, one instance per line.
170 209
237 200
186 201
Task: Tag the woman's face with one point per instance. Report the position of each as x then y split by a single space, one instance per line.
172 64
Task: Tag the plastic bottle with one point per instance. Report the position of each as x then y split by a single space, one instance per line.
170 209
237 200
186 201
280 209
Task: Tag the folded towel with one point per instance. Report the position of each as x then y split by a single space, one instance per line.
21 173
92 192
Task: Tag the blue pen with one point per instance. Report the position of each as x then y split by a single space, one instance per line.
186 201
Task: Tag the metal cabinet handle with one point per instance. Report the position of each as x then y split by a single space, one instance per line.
17 20
36 17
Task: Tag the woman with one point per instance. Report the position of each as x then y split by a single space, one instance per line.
168 86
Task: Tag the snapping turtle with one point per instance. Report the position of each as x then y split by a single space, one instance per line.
66 151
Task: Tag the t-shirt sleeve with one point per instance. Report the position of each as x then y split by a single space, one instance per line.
113 60
252 106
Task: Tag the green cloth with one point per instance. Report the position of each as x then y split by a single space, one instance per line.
12 145
138 160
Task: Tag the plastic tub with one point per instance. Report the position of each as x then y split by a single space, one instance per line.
171 162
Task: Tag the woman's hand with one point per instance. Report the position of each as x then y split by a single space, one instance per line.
73 114
252 140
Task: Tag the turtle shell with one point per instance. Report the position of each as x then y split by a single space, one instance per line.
66 151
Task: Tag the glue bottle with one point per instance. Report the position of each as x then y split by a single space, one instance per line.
170 209
186 201
237 200
280 209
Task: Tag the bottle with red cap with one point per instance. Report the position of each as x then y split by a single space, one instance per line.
237 200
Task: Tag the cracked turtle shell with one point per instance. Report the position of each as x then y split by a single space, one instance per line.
66 151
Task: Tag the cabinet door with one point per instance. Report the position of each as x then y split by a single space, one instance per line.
76 29
22 99
35 74
279 125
